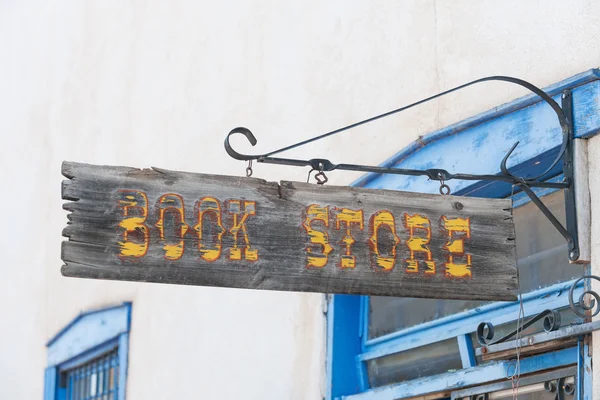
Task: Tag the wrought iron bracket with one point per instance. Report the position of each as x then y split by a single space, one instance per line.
564 116
569 175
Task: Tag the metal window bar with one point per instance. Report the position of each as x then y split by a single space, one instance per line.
97 379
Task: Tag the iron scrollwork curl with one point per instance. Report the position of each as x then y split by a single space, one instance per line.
482 396
559 387
485 330
581 308
551 318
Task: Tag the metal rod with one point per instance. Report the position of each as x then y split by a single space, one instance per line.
542 207
328 166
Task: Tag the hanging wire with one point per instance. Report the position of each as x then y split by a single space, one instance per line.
520 321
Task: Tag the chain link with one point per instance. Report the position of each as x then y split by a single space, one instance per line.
444 189
320 176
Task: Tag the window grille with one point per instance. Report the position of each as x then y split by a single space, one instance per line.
96 379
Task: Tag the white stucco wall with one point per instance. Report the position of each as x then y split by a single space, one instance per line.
146 83
594 180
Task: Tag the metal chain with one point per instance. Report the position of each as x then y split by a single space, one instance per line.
320 177
444 189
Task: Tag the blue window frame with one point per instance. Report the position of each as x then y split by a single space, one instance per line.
474 145
88 358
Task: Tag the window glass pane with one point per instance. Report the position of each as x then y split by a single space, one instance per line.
542 259
389 314
427 360
541 250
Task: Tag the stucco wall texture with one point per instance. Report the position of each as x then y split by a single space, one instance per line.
150 83
594 180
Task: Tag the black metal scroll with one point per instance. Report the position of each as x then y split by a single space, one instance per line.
581 308
485 330
551 318
559 387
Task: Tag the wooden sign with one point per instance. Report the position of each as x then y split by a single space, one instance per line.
154 225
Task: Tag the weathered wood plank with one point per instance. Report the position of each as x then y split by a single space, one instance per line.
155 225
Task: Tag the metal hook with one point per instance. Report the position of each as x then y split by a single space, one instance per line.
503 167
249 169
320 177
234 154
444 189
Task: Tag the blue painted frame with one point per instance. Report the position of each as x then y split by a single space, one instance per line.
86 337
485 138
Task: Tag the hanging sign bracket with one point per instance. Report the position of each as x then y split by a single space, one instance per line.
563 114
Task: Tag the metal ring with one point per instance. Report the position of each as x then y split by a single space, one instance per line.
444 189
552 321
514 367
484 337
249 169
550 386
569 388
580 308
321 178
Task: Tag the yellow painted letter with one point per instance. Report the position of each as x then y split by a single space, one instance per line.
418 244
172 203
135 232
239 224
314 212
456 246
348 217
379 220
211 244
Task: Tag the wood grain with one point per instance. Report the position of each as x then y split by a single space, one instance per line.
281 222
